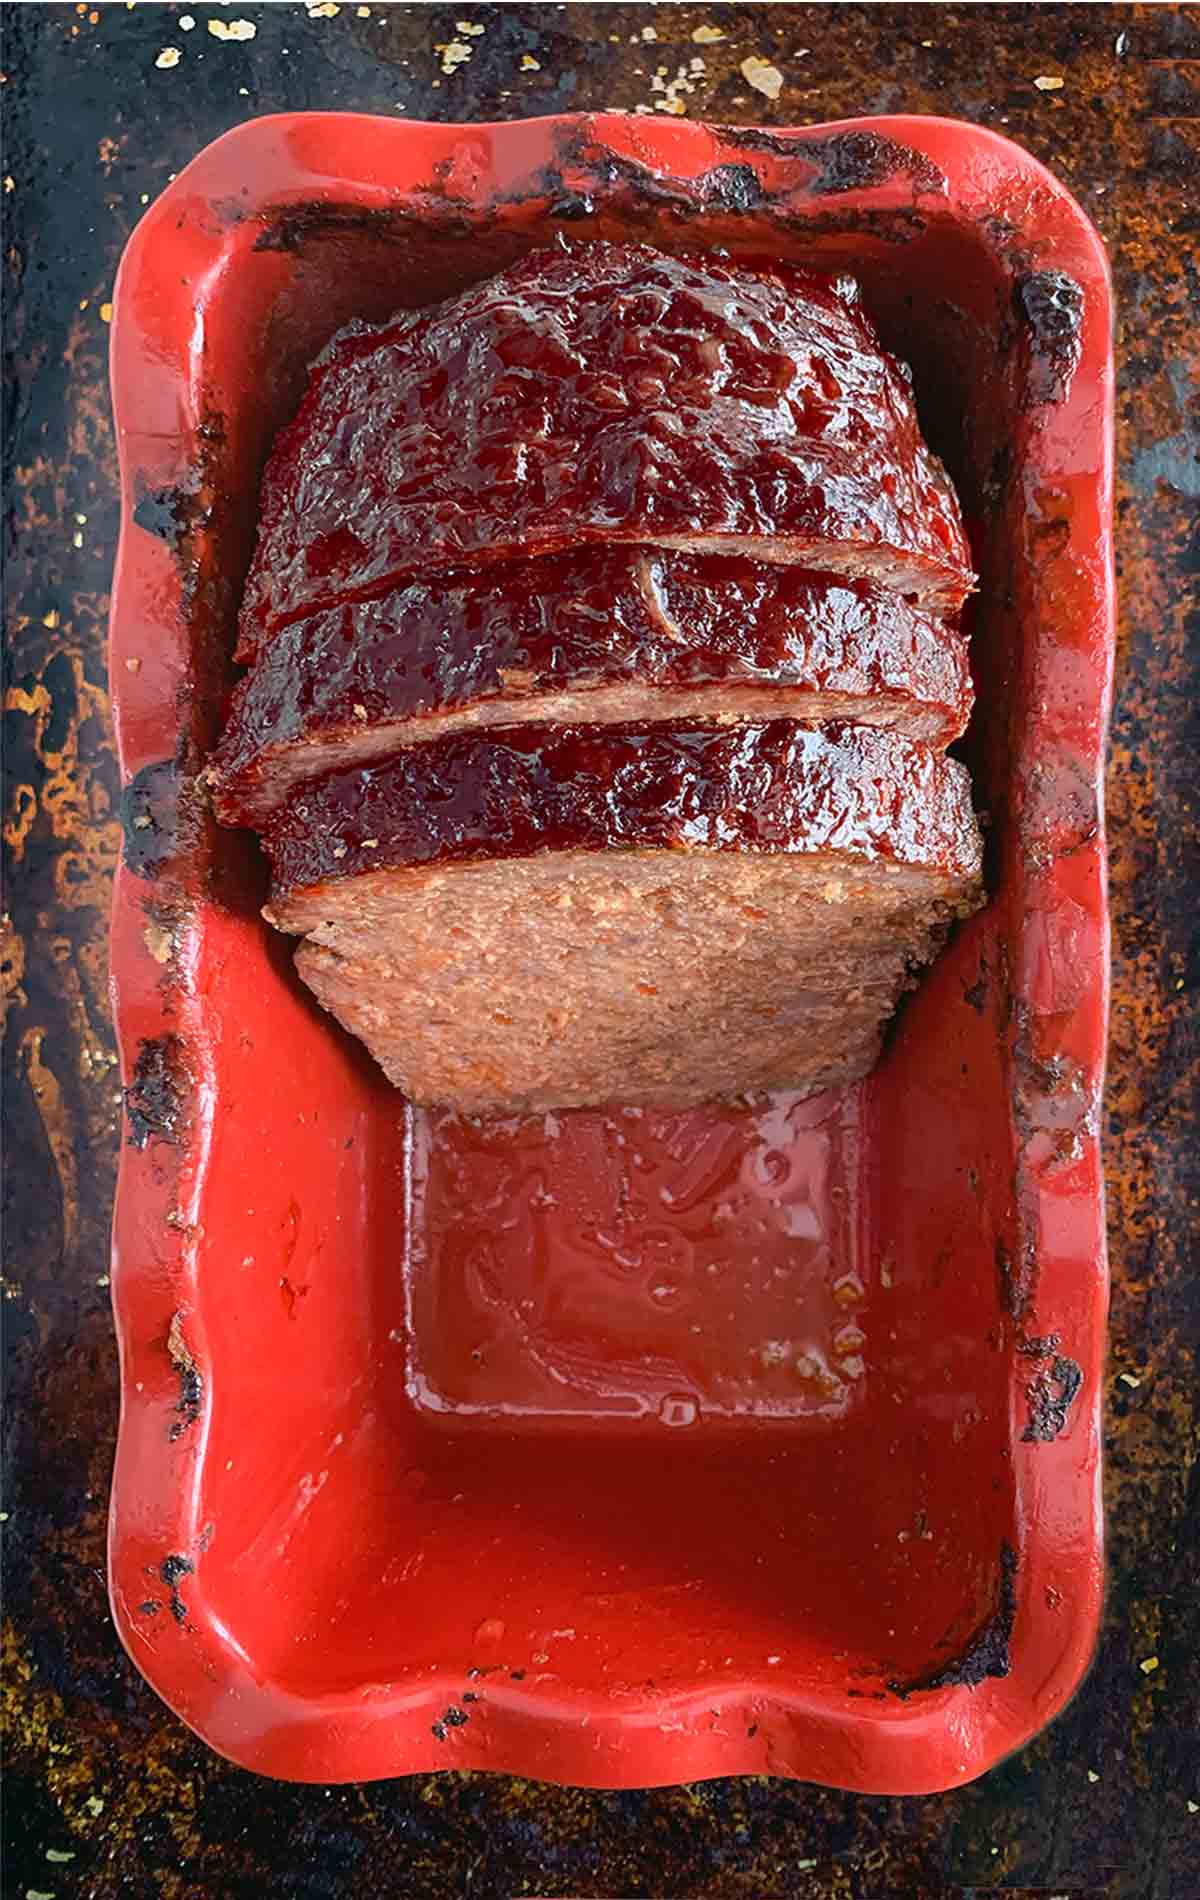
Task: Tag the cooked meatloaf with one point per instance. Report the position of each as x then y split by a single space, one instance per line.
557 916
614 634
605 392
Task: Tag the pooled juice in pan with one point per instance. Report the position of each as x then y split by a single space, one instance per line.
627 1264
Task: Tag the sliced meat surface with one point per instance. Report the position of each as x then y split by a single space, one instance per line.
615 634
552 916
605 392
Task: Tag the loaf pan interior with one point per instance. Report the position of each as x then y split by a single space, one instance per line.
615 1448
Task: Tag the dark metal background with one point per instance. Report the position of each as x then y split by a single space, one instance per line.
106 1793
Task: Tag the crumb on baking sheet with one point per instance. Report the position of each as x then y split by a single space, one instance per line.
233 30
764 77
672 91
453 53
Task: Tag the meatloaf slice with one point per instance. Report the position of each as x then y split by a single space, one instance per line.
614 634
561 916
605 392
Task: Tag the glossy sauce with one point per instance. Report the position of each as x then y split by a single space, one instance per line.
778 787
597 393
640 618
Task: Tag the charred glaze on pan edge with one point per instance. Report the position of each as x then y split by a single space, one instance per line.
190 1402
1051 1396
842 162
1050 303
158 1100
173 1570
150 818
988 1653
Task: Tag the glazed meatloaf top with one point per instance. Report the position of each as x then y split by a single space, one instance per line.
770 789
608 634
605 392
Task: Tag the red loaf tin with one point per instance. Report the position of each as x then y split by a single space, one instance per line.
613 1449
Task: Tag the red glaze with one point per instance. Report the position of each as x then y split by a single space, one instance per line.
779 788
401 1401
604 392
608 617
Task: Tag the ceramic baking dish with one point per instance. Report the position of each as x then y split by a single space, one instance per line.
613 1449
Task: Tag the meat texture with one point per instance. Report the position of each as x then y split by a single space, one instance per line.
615 634
605 392
562 916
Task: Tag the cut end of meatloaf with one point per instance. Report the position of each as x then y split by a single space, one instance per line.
609 635
670 916
638 977
605 392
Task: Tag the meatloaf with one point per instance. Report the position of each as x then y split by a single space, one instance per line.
616 634
559 916
605 392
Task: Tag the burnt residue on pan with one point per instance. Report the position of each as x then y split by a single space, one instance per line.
150 818
167 513
842 162
1038 1346
581 185
163 825
181 513
190 1402
845 161
162 933
1050 1092
988 1652
1049 304
734 188
584 177
193 516
453 1717
1051 1393
976 993
163 805
293 226
857 161
172 1570
1017 1276
158 1097
1054 1105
